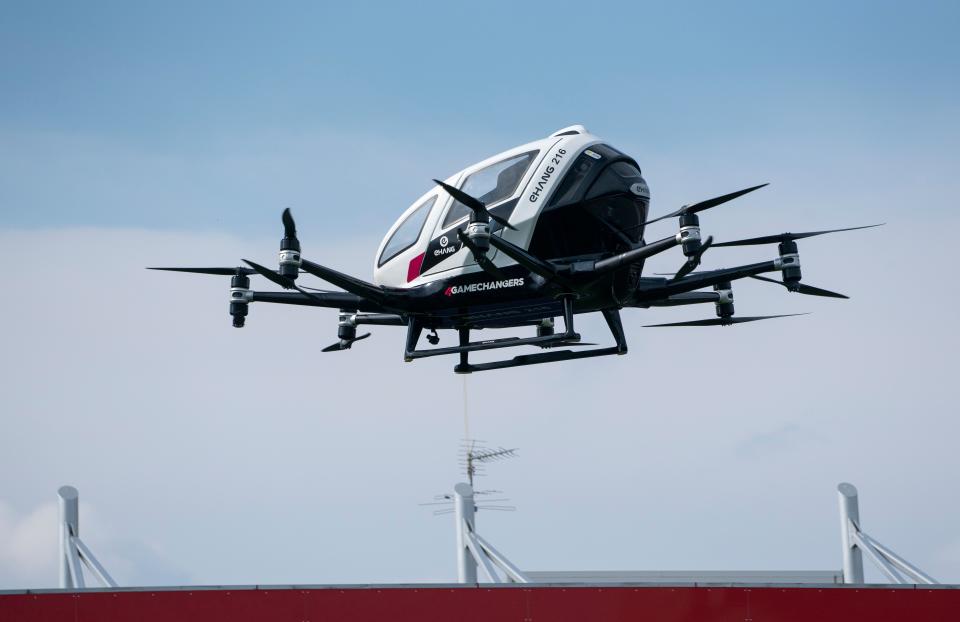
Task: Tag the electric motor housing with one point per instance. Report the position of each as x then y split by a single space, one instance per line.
239 299
290 257
690 224
790 262
347 326
724 304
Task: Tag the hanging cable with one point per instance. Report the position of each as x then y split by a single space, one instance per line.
466 413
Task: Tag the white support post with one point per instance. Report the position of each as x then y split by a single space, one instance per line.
856 542
849 525
74 554
68 503
464 510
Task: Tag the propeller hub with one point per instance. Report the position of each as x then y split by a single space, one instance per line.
479 234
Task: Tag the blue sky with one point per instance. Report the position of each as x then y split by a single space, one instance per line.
98 89
135 134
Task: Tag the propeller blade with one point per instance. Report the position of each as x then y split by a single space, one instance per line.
344 344
458 194
503 221
282 281
221 271
718 321
801 288
688 267
289 226
703 205
353 285
783 237
810 290
693 261
484 262
474 204
269 274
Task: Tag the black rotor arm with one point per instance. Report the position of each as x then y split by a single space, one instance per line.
686 298
354 285
332 300
648 250
532 263
702 279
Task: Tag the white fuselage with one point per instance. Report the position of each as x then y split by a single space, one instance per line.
422 261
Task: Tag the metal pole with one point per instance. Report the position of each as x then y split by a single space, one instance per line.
464 510
850 523
68 502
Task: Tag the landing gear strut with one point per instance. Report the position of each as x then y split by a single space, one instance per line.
547 337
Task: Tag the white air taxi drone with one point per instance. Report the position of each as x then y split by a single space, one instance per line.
551 228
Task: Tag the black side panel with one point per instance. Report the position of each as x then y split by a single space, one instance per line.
593 211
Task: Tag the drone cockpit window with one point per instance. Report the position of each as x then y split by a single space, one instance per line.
407 233
492 184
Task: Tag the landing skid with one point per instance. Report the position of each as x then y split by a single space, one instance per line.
568 337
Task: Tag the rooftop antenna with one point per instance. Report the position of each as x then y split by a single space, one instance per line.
474 457
473 551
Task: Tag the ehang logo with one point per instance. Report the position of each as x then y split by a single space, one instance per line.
482 287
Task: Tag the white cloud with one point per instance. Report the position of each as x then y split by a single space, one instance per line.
28 546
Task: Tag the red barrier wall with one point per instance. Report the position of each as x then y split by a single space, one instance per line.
490 604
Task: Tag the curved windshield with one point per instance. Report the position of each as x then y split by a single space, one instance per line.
491 184
407 233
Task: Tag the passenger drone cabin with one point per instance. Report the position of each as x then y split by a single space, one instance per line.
569 195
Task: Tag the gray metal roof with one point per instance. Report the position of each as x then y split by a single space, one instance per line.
688 576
